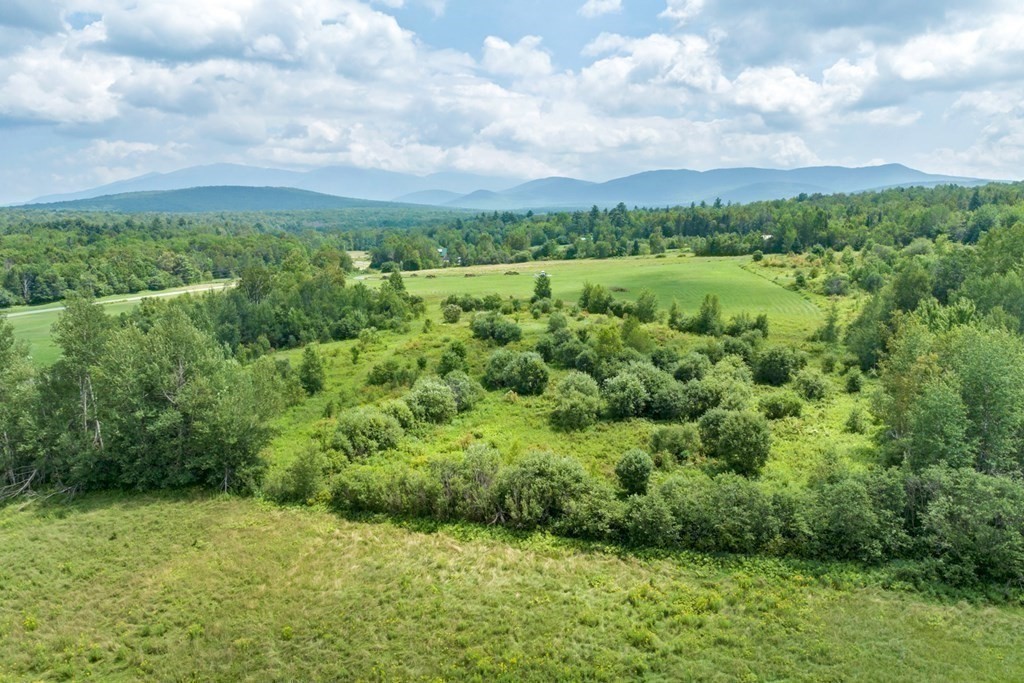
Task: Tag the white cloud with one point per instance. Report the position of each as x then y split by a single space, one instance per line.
682 11
993 50
780 89
525 59
598 8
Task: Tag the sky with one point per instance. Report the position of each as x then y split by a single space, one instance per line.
93 91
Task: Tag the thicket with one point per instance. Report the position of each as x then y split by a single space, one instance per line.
958 525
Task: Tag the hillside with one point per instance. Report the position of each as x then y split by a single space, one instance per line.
675 187
477 192
216 198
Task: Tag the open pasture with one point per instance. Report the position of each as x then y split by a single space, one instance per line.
686 279
213 588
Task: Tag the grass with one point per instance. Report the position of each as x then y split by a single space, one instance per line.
683 278
32 323
213 588
518 427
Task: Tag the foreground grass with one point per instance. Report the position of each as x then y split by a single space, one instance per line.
179 588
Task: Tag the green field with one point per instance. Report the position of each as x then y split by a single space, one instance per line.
32 323
178 588
686 279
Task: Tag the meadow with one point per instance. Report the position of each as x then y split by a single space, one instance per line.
32 323
198 587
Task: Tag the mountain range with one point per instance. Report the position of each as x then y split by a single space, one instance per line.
346 187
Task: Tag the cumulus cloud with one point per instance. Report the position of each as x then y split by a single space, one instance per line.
682 11
599 8
525 59
689 84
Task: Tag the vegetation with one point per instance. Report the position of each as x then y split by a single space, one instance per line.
852 408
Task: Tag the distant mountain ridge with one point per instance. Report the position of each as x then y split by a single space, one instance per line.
214 199
477 192
344 181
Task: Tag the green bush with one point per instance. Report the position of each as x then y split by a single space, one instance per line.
724 514
399 409
854 381
431 400
391 373
648 521
858 517
451 313
539 490
812 385
625 396
693 366
780 405
776 365
466 485
466 390
740 439
578 402
679 441
303 481
496 328
634 471
524 373
312 373
364 431
594 515
973 526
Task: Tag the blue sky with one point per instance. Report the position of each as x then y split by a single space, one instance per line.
93 91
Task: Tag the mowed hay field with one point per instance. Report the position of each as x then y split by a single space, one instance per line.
32 323
211 588
686 279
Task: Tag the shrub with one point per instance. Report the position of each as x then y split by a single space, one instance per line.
625 396
593 515
451 313
312 374
496 328
692 366
539 489
365 431
854 381
399 409
466 390
740 439
776 365
578 402
780 405
812 385
524 373
634 471
665 358
391 373
679 441
647 521
496 373
451 361
557 321
431 400
974 525
724 514
467 484
856 423
858 517
302 481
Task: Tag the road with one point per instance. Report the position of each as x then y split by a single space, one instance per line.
210 286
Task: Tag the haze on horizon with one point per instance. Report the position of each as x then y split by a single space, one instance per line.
93 91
